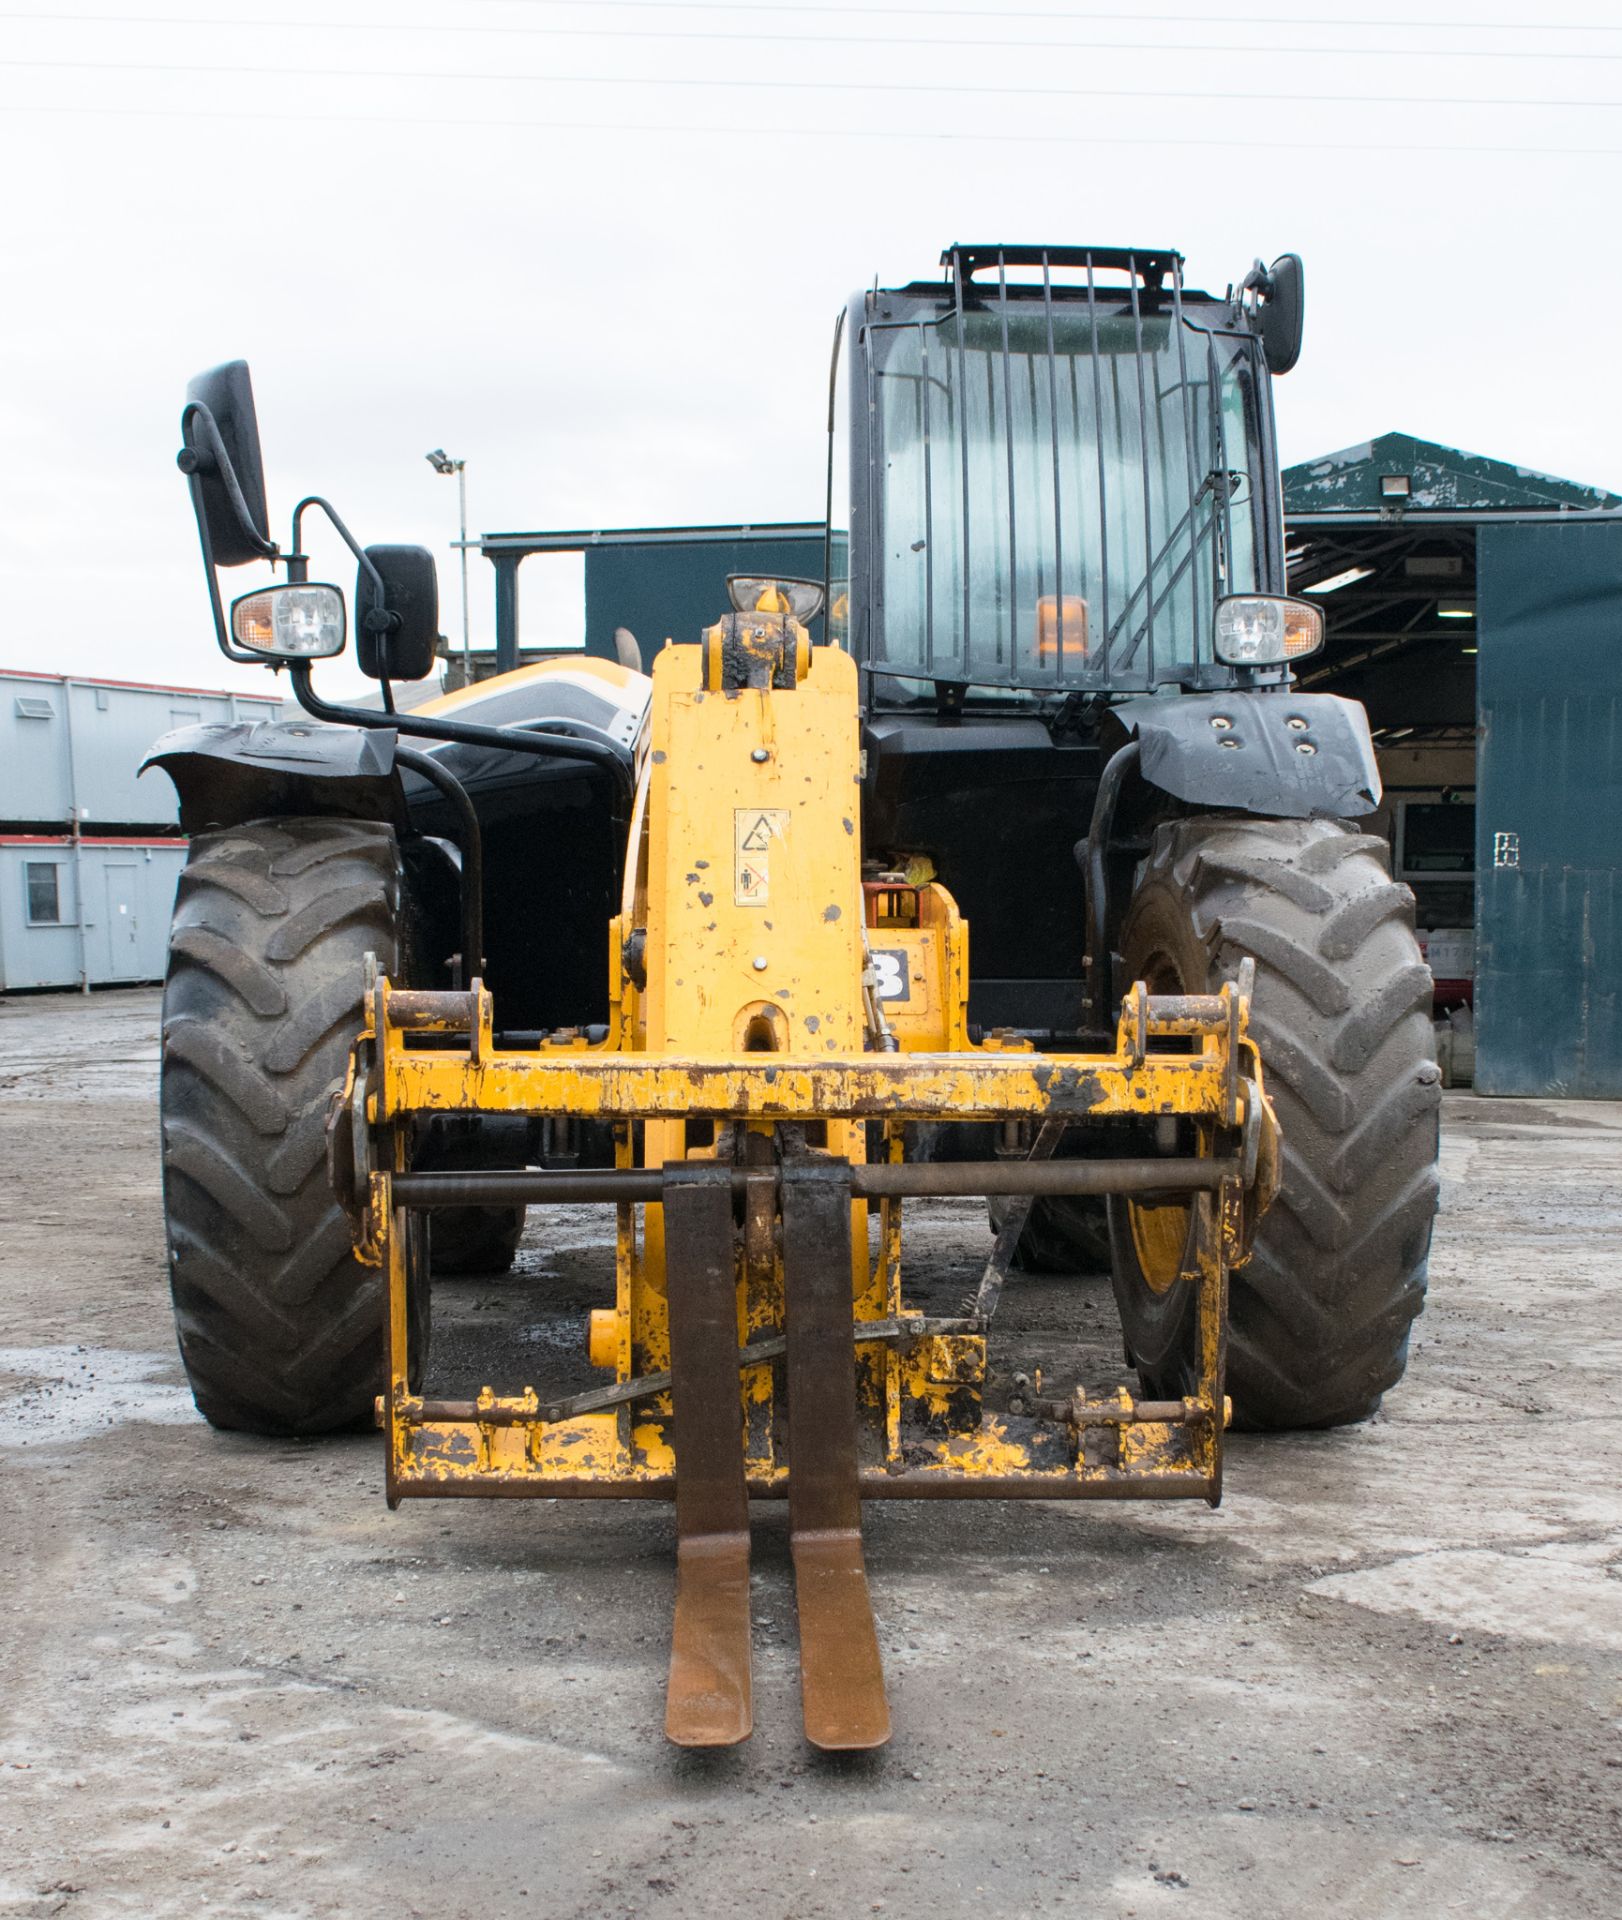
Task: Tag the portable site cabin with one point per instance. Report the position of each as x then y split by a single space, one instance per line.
90 848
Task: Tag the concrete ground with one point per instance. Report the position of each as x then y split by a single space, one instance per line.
1386 1678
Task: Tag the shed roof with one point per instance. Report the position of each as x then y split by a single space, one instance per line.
1440 477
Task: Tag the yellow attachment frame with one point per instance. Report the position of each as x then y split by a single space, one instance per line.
774 1012
766 1004
915 1374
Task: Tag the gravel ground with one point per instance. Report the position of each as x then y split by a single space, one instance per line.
1385 1678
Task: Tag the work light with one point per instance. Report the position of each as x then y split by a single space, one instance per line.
290 623
1265 629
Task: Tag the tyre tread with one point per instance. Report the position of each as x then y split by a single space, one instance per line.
280 1328
1320 1316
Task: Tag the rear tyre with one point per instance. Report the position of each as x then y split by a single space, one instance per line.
481 1240
280 1327
1063 1235
1319 1317
471 1240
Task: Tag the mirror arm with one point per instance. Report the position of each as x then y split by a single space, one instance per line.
558 746
343 533
298 567
192 468
191 465
222 633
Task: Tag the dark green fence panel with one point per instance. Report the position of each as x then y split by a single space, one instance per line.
1549 810
675 589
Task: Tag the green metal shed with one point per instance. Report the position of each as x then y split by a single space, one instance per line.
1475 607
658 582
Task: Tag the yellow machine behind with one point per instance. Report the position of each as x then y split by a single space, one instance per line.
760 1084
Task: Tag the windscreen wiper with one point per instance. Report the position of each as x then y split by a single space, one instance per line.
1222 485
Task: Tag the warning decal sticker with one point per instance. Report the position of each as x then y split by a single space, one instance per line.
753 831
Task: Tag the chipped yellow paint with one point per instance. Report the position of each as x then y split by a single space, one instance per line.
890 1269
653 1449
438 1452
724 770
449 1456
955 1359
1144 1442
987 1453
980 1084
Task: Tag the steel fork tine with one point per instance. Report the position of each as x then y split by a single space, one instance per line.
841 1674
708 1702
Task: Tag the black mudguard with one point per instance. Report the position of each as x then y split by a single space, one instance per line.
261 769
1292 756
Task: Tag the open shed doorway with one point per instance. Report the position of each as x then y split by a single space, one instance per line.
1475 609
1399 602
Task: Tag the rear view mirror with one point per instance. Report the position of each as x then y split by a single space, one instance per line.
397 628
1282 312
221 455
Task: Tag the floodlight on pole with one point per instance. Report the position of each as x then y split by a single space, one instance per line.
442 463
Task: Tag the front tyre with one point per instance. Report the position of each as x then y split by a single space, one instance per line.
280 1327
1320 1315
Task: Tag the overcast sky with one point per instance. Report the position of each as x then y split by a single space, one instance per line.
597 250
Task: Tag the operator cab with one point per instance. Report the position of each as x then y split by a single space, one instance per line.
1053 485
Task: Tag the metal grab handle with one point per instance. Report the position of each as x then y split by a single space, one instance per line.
1150 264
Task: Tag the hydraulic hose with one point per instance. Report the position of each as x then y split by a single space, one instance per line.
558 746
1095 848
470 841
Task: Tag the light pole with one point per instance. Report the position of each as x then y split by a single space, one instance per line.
441 462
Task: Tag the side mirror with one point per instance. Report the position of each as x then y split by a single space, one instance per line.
397 629
1281 313
221 455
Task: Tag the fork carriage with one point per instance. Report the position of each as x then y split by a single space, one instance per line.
760 1342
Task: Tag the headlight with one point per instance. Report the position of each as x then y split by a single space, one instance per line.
290 623
1265 630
